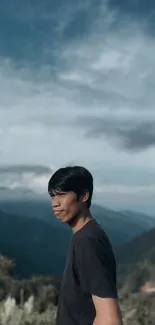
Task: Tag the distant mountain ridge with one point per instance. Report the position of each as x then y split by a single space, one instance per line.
145 218
125 224
119 226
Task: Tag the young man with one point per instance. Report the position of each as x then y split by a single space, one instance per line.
88 293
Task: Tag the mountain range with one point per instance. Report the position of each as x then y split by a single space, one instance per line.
121 226
31 235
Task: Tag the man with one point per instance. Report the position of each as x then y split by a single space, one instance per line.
88 294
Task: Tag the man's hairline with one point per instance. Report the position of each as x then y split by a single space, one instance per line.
57 192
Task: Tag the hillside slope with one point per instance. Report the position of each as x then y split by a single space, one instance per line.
36 247
119 226
136 262
139 248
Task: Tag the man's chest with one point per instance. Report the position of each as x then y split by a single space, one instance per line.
72 298
71 292
70 283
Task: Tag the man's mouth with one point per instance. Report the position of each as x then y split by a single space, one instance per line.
57 212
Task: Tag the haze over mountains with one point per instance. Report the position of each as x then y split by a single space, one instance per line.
30 233
28 203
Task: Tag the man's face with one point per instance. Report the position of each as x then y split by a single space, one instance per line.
65 206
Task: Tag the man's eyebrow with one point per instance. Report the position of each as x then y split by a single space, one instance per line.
56 192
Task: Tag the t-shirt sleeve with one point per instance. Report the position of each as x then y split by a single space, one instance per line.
96 271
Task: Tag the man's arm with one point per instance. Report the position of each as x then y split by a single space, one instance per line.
97 278
107 311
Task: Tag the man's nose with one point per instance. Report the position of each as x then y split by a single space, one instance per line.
55 202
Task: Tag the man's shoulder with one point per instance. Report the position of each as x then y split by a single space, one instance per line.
91 236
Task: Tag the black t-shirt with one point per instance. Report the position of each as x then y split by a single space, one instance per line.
90 270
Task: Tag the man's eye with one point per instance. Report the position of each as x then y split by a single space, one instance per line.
52 195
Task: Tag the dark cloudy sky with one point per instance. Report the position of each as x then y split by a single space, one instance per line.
77 85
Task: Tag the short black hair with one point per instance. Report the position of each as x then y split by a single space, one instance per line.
72 178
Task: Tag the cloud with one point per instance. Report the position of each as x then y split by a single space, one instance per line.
124 189
130 134
36 29
121 196
115 82
19 169
34 177
77 85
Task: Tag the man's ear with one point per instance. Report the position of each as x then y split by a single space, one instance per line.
85 197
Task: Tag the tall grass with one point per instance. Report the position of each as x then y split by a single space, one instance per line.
13 314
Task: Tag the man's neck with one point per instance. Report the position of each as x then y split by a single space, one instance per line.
81 221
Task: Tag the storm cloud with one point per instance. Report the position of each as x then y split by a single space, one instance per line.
25 176
130 135
19 169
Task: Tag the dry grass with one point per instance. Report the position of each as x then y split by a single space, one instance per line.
136 309
30 301
12 314
41 288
